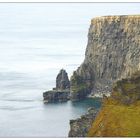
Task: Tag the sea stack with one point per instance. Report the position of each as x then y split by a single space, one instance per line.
62 90
62 80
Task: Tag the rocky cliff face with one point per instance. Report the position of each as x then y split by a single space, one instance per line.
113 52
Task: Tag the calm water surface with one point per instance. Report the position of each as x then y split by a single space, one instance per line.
31 118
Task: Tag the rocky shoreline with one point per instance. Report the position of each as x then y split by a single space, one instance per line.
80 127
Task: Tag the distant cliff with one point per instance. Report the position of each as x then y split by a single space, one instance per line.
112 53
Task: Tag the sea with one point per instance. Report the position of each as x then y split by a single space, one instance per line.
36 41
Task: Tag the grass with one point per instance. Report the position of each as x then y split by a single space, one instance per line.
120 113
117 120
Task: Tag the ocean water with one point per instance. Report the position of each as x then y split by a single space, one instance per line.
36 41
32 118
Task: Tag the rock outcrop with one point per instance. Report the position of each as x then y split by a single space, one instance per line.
112 53
61 93
81 126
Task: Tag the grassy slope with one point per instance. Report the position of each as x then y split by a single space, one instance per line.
120 113
117 120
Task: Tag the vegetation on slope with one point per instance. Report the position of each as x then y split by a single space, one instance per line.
120 113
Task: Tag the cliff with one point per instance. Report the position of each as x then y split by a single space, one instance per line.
119 115
112 53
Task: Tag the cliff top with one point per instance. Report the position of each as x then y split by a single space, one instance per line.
115 18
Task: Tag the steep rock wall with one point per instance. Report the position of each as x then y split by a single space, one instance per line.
112 53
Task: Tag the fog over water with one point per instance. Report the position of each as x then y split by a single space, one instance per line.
36 41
